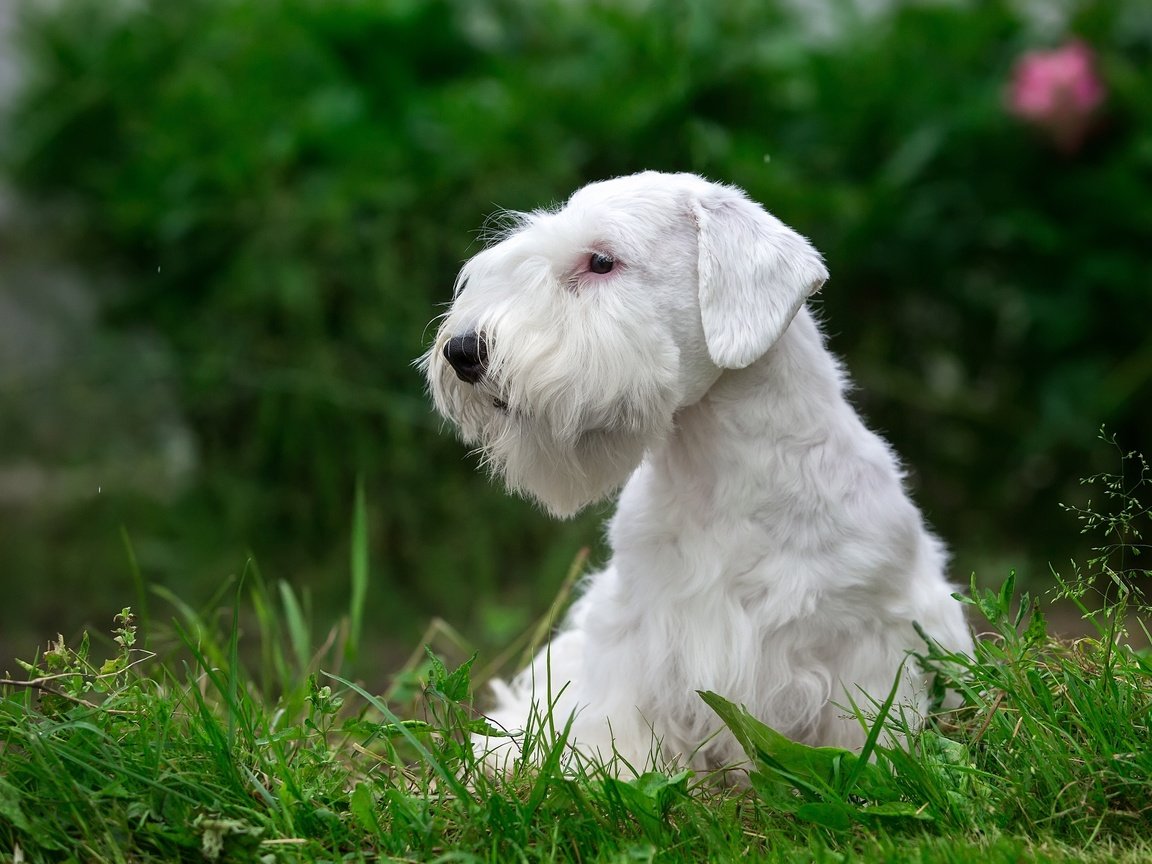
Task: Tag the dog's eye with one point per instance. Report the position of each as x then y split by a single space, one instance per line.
601 263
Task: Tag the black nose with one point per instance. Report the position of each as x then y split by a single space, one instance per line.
468 355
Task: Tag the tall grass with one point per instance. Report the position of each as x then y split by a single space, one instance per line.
240 737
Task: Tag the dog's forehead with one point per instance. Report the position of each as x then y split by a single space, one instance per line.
626 216
629 214
649 190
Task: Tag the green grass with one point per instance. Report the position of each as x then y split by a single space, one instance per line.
192 757
238 737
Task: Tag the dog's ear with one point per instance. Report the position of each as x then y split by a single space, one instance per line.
755 273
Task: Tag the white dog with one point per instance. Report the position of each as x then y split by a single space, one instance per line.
652 332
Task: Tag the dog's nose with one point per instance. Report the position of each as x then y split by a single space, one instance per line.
468 355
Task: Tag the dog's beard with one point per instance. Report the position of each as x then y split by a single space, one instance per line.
565 459
565 432
563 476
563 469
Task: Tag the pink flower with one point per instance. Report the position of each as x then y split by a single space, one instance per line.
1057 91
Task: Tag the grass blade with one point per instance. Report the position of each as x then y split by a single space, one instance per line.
448 777
359 574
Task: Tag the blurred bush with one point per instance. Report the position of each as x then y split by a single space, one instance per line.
284 190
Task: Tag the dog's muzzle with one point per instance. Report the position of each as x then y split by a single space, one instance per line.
468 356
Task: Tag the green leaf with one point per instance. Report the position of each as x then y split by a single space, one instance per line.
1037 627
1006 592
648 798
811 769
780 795
437 671
355 726
363 807
660 786
113 665
830 780
828 814
453 686
895 810
10 808
481 726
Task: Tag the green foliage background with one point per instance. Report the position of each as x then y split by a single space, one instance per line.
282 192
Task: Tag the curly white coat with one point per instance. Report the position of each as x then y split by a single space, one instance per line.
764 546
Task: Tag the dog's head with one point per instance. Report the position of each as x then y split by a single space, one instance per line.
572 341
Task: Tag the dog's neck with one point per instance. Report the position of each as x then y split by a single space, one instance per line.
729 438
742 473
732 447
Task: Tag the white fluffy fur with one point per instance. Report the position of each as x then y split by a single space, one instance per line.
763 546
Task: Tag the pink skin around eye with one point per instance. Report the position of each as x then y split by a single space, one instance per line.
582 273
585 270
